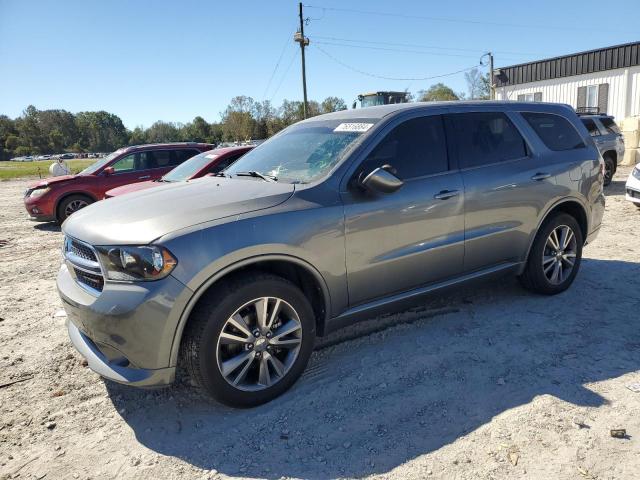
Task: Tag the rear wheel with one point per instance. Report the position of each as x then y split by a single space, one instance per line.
250 339
71 205
555 256
609 169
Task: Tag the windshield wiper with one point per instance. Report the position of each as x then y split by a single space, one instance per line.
221 174
254 174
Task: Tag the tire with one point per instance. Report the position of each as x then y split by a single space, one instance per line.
536 277
609 170
207 349
70 205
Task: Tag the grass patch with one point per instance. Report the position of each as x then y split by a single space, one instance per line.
10 170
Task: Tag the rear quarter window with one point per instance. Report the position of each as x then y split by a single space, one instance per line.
556 132
610 125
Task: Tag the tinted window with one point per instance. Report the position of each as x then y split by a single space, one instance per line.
485 138
556 132
591 127
224 163
162 158
610 125
182 155
414 148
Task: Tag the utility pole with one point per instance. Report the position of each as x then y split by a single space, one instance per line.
492 86
304 42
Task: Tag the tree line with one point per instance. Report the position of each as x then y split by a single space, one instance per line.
38 132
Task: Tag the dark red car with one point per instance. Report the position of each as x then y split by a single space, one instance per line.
58 197
210 162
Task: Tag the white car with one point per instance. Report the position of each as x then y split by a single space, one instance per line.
633 186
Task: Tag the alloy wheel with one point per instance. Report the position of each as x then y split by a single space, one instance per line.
74 206
259 344
559 254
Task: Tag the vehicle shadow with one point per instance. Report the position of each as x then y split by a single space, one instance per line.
616 187
419 382
47 227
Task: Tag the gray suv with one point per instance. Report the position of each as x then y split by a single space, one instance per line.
336 218
608 139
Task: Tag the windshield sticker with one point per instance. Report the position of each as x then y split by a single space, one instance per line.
353 127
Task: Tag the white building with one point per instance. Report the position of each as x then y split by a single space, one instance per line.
606 80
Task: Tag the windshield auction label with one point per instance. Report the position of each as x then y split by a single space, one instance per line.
353 127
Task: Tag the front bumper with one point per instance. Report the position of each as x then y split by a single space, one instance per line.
633 189
39 209
127 331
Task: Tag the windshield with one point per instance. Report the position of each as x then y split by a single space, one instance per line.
187 169
372 101
303 152
94 167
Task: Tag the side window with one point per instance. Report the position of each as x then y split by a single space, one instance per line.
224 163
556 132
125 164
414 148
180 156
161 159
484 138
610 125
591 127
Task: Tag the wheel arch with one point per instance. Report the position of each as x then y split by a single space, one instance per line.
61 198
569 206
294 269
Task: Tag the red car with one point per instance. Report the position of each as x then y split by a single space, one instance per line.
58 197
210 162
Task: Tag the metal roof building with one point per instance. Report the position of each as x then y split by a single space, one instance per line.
606 80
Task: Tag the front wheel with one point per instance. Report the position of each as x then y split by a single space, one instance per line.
555 256
250 339
71 205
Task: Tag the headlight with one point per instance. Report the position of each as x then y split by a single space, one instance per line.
39 192
636 172
136 263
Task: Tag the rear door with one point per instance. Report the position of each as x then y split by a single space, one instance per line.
506 186
415 236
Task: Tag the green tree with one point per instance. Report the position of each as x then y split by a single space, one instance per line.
162 132
197 131
332 104
438 92
101 131
138 136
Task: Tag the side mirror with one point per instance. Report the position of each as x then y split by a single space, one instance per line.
108 171
382 181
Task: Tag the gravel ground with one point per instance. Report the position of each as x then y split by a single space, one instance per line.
488 382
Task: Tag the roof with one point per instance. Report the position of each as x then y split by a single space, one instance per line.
381 111
589 61
225 150
168 144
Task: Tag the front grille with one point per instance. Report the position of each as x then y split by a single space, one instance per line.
89 279
83 265
82 251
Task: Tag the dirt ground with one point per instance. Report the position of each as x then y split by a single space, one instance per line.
488 382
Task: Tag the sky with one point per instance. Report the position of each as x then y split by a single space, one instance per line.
148 60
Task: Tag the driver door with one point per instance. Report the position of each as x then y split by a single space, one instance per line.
414 236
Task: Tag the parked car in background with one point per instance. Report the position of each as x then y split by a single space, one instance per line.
633 186
211 162
67 156
335 219
56 198
609 140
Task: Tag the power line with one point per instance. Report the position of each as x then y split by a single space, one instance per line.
295 55
284 48
415 45
362 72
450 20
385 49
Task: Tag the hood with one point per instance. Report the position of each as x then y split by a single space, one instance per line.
51 180
132 187
141 217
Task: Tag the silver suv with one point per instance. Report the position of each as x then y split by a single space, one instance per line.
608 139
335 219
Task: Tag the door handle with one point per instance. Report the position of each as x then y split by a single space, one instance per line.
445 194
144 177
540 176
